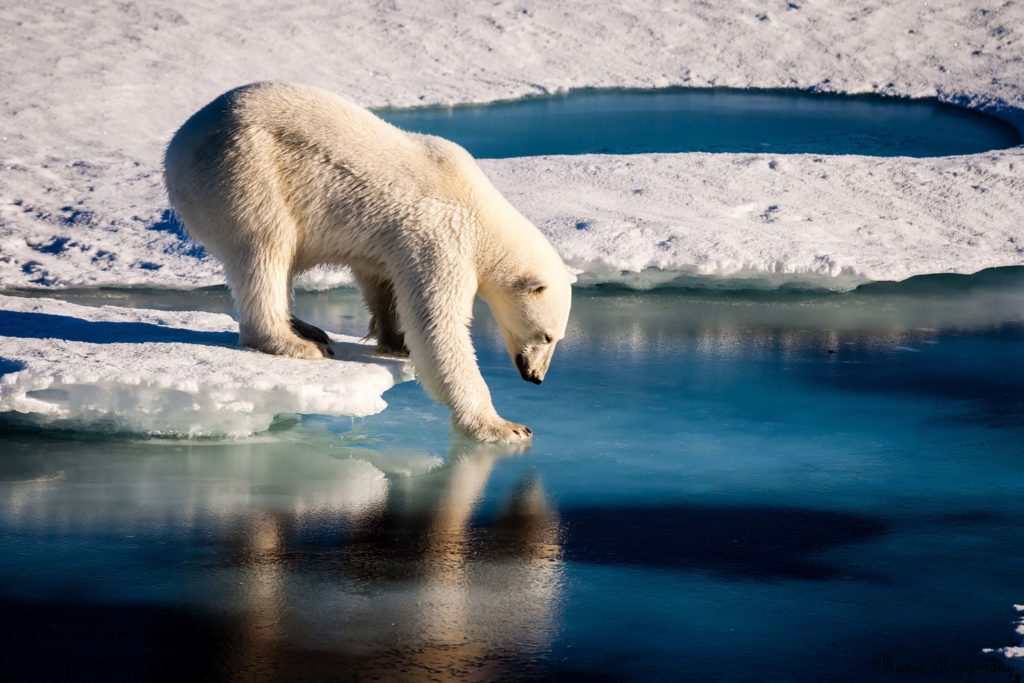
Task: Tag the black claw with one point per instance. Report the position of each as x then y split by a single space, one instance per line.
529 432
310 332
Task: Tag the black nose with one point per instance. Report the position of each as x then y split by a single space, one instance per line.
530 378
524 371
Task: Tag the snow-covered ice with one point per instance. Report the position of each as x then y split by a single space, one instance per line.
94 90
828 220
169 373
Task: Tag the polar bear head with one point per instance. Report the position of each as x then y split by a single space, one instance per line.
533 311
520 274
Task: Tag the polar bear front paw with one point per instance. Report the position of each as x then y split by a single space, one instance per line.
499 430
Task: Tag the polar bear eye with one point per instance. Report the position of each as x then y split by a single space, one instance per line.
548 339
531 285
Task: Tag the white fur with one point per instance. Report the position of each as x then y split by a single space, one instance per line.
275 179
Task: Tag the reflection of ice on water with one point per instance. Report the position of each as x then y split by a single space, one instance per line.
346 554
127 487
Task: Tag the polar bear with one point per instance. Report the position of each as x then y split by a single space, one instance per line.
274 179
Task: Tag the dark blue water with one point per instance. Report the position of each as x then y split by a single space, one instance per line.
711 120
741 487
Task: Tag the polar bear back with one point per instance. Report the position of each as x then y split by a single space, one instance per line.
327 157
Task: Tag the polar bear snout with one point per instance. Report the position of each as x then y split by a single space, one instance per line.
532 363
525 372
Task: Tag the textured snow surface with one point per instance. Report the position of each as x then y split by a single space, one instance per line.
833 221
92 92
170 373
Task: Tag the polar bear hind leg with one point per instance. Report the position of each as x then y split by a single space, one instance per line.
379 295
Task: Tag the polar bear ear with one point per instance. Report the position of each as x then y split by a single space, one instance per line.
531 285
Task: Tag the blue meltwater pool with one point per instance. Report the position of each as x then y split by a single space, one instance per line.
711 120
737 487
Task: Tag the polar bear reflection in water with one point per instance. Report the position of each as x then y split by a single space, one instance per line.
367 559
457 600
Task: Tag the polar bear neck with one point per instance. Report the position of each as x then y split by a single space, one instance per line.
509 247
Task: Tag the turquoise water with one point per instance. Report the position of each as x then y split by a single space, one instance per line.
758 486
711 120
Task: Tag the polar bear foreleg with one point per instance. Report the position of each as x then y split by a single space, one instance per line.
262 292
310 332
436 323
